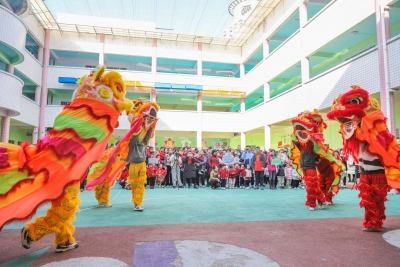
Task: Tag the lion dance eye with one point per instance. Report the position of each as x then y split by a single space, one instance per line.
354 100
119 87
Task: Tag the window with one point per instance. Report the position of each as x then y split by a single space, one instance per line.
177 66
31 45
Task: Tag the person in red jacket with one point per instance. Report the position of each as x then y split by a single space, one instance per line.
223 175
213 160
242 176
123 179
151 174
161 173
161 155
232 177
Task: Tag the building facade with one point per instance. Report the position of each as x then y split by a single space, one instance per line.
239 91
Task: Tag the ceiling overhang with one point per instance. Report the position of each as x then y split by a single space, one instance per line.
259 13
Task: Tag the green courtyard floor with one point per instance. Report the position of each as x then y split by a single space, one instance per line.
184 206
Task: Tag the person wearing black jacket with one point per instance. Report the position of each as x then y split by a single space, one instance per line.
189 169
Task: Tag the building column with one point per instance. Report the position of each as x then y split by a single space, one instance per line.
266 48
266 92
200 111
154 57
242 105
383 61
303 14
153 98
265 43
5 129
35 134
153 95
392 125
43 96
243 140
101 53
36 129
37 97
10 68
305 70
5 120
267 137
242 70
391 93
200 60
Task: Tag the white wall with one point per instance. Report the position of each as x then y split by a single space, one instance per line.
127 46
322 90
179 50
29 112
35 28
11 91
394 63
170 120
276 18
255 118
31 68
223 54
325 27
55 72
71 41
336 19
222 122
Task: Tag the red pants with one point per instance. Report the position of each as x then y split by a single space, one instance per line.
325 185
314 192
373 191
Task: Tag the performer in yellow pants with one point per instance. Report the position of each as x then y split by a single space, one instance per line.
58 220
102 194
131 149
137 178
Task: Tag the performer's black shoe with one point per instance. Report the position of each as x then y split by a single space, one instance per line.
26 240
370 229
66 246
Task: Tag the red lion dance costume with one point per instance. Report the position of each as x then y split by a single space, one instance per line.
52 169
318 165
132 149
367 138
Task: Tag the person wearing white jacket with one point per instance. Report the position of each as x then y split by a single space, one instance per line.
351 169
175 161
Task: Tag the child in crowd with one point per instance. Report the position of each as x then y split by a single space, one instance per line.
295 179
123 178
242 176
223 175
214 180
161 173
281 177
266 176
161 155
273 167
288 174
232 177
249 175
151 175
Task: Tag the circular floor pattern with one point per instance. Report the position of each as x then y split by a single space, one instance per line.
197 253
392 237
87 262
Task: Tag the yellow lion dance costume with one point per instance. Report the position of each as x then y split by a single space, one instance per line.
51 170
